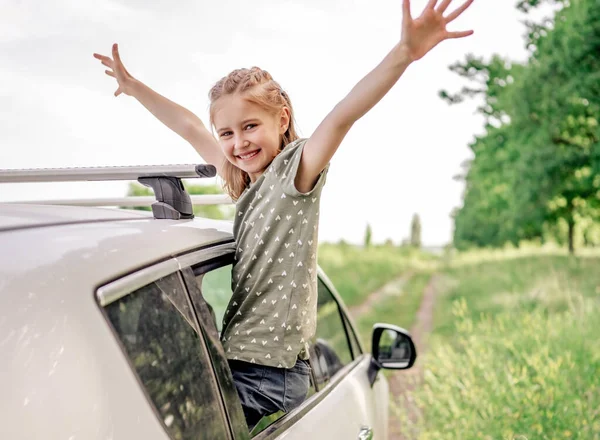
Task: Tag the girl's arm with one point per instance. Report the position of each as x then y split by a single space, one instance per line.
418 37
182 121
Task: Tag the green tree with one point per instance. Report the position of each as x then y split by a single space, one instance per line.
558 117
368 234
537 164
415 231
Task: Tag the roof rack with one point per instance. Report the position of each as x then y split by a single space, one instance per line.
171 200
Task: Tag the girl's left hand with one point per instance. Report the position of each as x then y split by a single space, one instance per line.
421 35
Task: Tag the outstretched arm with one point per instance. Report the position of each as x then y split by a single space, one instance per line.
419 36
179 119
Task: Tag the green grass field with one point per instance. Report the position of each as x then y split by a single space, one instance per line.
356 271
515 353
400 309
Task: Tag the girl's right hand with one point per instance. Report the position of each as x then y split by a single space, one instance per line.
118 71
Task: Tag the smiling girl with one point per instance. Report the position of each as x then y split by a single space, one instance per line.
276 180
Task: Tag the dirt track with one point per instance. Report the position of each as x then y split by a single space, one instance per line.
403 382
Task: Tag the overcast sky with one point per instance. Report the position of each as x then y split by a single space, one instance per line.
57 107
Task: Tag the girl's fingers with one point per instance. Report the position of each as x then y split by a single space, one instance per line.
431 4
110 73
100 57
459 11
115 51
118 91
459 34
443 6
406 11
106 61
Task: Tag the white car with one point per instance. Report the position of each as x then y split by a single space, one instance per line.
109 327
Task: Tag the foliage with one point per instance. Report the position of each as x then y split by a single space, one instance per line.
536 167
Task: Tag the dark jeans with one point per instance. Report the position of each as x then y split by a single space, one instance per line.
265 390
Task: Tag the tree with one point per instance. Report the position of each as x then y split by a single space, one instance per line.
415 231
537 164
368 234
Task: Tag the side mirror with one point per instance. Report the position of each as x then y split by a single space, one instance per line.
392 348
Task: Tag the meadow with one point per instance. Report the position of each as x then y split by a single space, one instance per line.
514 353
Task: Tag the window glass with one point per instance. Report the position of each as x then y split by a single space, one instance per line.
160 337
216 289
330 347
206 316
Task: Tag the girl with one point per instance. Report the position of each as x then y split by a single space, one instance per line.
276 180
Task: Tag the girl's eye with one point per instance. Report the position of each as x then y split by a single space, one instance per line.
249 126
225 134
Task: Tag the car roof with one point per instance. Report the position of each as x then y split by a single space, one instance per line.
34 236
61 250
18 216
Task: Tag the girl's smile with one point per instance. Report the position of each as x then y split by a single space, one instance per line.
249 156
249 135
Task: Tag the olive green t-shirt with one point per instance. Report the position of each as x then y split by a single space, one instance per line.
271 316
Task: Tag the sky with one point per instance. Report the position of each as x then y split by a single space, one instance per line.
57 107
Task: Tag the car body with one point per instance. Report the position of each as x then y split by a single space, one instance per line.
108 331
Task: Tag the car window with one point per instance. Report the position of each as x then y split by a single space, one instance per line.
158 331
216 289
193 277
331 350
212 290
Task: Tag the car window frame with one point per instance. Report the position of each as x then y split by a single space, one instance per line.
349 326
216 260
212 253
130 283
211 257
207 259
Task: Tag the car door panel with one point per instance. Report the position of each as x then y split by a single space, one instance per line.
343 408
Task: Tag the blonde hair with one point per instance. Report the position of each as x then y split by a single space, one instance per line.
258 87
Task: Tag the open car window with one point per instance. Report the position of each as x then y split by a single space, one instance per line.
158 331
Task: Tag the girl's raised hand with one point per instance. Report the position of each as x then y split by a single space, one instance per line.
118 70
422 34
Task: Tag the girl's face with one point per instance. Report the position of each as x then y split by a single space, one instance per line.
249 135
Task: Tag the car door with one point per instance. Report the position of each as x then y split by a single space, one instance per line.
155 324
345 405
341 403
207 274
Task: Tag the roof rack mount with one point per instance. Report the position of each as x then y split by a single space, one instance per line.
172 199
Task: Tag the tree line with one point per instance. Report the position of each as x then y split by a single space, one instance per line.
535 170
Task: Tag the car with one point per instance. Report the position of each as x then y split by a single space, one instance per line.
110 321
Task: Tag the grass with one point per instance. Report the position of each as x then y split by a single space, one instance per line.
515 353
400 309
517 284
356 272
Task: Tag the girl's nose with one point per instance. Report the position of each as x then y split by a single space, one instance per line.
241 143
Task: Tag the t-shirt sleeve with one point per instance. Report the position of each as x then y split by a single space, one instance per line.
287 168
